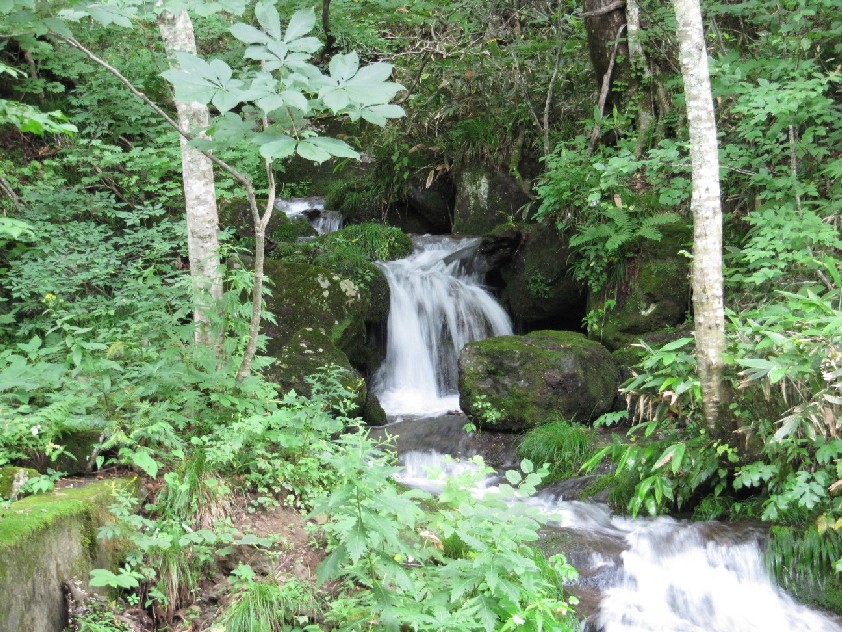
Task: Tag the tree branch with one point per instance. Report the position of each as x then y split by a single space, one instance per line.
608 8
603 93
241 178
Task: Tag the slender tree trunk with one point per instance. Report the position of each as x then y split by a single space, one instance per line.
708 309
641 78
199 194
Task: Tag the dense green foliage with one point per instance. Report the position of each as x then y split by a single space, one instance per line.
96 337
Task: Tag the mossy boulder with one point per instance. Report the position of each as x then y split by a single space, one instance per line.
310 349
432 205
536 378
529 264
46 540
485 198
305 295
287 229
654 294
12 478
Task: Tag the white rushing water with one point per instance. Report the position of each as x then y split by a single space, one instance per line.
437 306
667 575
649 575
313 210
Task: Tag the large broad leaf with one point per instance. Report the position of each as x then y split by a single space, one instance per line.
270 21
143 459
16 229
329 568
104 577
309 150
248 34
334 146
301 23
343 67
379 114
275 146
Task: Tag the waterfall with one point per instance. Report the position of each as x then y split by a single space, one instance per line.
437 306
637 575
313 210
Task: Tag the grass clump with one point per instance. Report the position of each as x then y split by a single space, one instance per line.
562 444
268 607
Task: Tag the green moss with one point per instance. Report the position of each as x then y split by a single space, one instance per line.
25 517
311 296
44 540
536 378
8 475
600 485
291 230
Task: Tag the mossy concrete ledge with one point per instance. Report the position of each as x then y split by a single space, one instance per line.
46 540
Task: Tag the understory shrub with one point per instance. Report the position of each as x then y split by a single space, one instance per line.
563 445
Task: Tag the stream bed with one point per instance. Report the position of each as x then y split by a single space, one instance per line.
636 575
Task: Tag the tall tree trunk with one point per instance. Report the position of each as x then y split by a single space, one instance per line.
604 20
641 79
199 195
708 310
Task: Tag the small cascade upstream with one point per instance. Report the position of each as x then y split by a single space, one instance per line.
313 210
636 575
437 306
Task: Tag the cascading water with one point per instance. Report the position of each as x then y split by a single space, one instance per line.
313 210
637 575
437 305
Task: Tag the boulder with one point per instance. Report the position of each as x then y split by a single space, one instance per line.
304 355
46 540
529 264
12 478
304 295
432 206
485 198
654 294
535 378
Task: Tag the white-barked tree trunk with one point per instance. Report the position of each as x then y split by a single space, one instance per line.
199 194
708 307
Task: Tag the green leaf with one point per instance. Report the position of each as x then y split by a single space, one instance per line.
247 34
379 114
329 568
343 67
308 150
277 146
334 146
513 476
301 23
143 460
267 16
104 577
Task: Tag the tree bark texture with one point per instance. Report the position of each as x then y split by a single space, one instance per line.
708 309
603 20
199 194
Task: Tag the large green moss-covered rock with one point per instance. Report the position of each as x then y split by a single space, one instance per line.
529 263
536 378
654 294
305 295
485 198
44 541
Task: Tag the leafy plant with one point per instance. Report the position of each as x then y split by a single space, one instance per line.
563 445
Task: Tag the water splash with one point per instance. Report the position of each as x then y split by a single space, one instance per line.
437 306
313 210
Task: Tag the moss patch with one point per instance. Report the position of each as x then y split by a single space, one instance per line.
11 478
540 377
44 540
